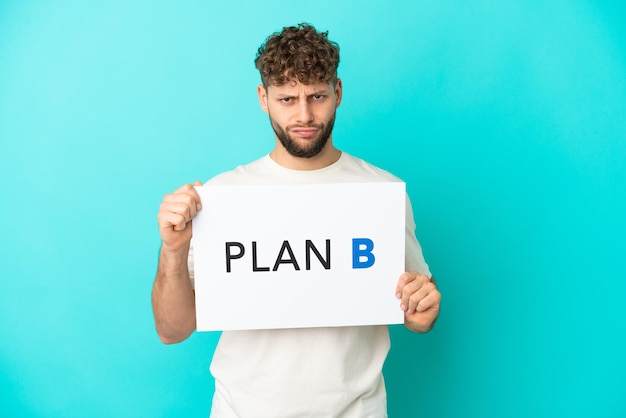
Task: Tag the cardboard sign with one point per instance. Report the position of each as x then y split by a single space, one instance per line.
287 256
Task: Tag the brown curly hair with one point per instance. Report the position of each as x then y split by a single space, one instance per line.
298 53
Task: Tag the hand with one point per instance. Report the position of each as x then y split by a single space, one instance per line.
175 215
419 299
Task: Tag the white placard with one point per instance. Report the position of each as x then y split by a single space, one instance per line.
287 256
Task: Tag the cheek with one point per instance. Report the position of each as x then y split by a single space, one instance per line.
279 116
328 113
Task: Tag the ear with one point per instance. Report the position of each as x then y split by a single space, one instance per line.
262 93
338 92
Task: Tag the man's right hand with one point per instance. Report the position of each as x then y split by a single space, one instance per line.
175 215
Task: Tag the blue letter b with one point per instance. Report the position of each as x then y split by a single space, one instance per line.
362 249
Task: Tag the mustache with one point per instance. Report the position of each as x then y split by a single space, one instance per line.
308 125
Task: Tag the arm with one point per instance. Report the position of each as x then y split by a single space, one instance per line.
418 293
419 299
173 302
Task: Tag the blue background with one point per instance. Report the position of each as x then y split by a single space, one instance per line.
506 119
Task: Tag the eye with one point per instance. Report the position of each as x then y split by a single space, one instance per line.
286 100
317 97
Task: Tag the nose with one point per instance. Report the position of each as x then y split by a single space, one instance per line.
304 115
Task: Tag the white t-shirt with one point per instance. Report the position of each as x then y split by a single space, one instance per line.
307 372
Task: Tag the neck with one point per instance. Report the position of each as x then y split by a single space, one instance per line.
327 156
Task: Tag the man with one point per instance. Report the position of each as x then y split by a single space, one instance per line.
312 372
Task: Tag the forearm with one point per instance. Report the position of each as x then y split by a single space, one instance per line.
173 301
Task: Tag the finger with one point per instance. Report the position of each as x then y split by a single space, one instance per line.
423 298
431 301
181 226
409 290
172 220
179 208
190 189
189 193
186 195
404 279
198 200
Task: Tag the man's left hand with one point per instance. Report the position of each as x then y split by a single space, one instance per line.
419 299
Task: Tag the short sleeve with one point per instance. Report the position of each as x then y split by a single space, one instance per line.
413 256
190 267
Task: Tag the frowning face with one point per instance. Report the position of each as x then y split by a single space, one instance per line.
302 115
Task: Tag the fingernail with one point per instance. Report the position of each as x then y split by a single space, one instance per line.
398 295
403 308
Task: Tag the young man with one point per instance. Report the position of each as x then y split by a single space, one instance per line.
311 372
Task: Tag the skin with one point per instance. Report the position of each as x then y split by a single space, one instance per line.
294 106
300 114
173 297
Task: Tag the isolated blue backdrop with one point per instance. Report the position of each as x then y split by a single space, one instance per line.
506 119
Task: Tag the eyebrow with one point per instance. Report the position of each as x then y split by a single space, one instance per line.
315 93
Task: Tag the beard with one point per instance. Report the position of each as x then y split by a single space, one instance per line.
312 147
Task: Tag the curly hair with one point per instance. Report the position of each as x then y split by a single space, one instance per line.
298 53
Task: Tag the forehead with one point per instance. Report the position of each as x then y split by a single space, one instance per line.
296 87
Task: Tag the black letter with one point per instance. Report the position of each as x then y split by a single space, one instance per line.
229 256
254 267
309 247
291 260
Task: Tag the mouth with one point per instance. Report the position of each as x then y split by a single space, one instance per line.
305 132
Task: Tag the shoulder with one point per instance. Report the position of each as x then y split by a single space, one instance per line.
367 171
243 174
